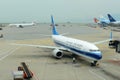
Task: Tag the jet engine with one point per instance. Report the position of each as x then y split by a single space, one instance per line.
57 53
20 26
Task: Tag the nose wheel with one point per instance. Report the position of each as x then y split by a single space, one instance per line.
94 63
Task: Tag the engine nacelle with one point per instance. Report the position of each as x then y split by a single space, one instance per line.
20 26
57 53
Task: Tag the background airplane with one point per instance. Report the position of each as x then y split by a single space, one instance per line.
21 25
74 46
113 22
103 22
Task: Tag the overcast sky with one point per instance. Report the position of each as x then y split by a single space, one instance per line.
62 10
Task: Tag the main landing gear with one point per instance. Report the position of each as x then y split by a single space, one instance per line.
94 63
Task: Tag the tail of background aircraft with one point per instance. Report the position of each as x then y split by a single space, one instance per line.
54 31
111 18
96 20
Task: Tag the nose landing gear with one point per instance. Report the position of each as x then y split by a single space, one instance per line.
94 63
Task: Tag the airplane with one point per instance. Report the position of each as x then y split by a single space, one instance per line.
113 22
103 22
21 25
77 47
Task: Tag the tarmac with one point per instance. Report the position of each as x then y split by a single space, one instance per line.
44 65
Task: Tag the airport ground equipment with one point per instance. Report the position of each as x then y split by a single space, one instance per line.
1 36
23 72
27 73
115 44
0 28
18 75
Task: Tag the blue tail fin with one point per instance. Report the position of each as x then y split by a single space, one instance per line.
54 32
111 18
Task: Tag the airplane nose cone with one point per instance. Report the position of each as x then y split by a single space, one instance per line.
99 55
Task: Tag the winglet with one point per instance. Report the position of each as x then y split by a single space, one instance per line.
111 18
53 27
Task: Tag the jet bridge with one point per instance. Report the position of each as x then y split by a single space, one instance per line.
115 44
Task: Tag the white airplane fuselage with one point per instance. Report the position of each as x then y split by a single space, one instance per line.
116 22
22 24
78 47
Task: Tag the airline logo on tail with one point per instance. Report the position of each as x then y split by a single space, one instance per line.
96 20
111 18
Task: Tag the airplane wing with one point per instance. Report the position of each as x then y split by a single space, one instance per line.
41 46
103 41
99 42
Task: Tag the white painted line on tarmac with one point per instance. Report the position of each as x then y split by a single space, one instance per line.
5 51
13 50
102 78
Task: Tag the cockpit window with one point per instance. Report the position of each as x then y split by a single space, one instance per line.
93 50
